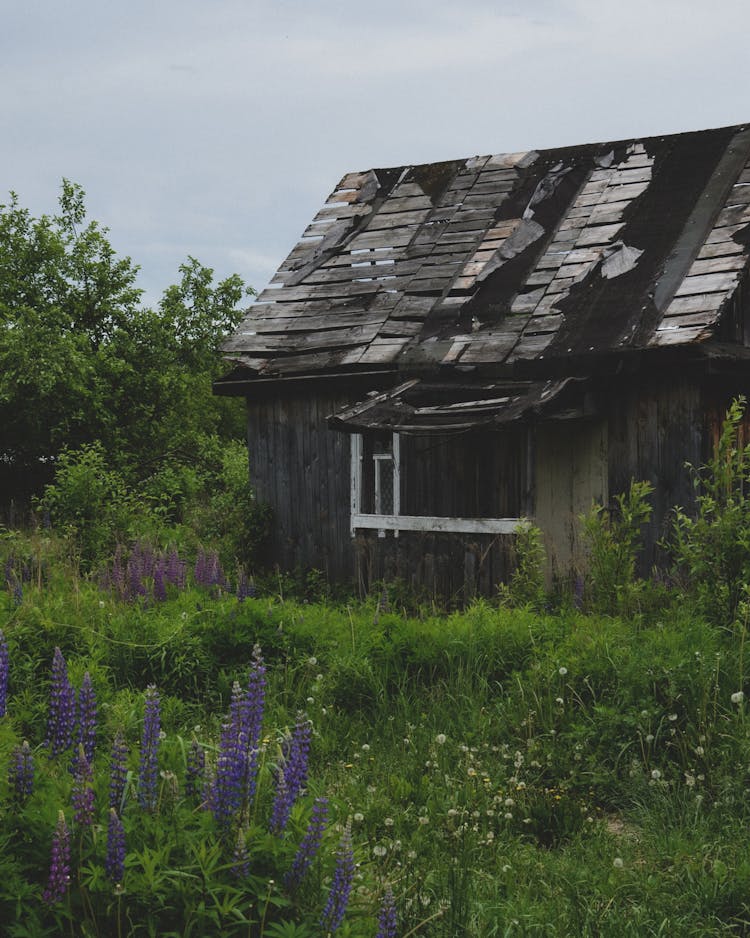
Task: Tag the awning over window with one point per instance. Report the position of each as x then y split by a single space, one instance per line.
418 406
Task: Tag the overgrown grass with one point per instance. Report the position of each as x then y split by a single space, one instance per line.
507 772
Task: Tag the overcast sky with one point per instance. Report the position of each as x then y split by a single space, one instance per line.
217 128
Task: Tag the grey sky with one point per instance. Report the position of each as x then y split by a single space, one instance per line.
217 127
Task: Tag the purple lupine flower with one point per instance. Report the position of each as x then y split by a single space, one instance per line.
174 569
83 790
21 772
135 586
387 920
255 698
4 669
87 717
227 789
252 716
292 774
341 885
200 573
114 862
309 845
240 857
61 707
195 770
160 588
147 558
118 771
149 764
59 867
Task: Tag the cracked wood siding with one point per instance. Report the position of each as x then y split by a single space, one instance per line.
296 467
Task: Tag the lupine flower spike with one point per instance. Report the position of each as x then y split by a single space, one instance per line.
341 886
61 707
292 775
83 790
387 921
114 862
87 717
4 668
21 773
149 765
59 868
309 845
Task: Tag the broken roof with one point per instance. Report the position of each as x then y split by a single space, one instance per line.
509 259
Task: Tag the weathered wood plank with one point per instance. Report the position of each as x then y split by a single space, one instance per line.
695 304
385 220
705 318
708 283
739 195
733 215
601 234
627 192
540 277
718 264
720 249
315 291
539 325
722 233
406 204
679 336
438 524
398 237
527 302
560 285
383 351
529 346
606 213
292 342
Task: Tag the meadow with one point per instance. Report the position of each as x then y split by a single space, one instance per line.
540 769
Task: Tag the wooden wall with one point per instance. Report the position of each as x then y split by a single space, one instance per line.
480 474
550 471
570 474
301 468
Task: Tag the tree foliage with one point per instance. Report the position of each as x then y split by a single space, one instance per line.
82 360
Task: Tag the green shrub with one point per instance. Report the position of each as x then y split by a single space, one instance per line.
91 501
526 586
612 540
711 548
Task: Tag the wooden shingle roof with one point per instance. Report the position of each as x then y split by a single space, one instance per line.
499 260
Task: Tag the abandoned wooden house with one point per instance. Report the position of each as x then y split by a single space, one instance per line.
453 347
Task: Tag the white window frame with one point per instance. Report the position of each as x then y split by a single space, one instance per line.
397 522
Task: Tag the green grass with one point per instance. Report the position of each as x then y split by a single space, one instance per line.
507 772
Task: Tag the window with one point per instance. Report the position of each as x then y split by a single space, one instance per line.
377 480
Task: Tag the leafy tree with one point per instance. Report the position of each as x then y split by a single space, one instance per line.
81 360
